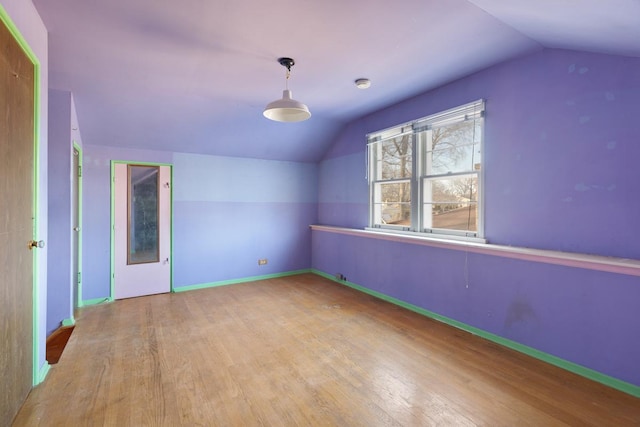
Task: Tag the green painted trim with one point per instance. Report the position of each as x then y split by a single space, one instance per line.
113 221
238 281
80 199
68 322
36 221
112 250
540 355
17 35
96 301
42 374
22 42
171 284
131 162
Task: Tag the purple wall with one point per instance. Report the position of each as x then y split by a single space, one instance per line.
227 213
59 296
63 133
561 150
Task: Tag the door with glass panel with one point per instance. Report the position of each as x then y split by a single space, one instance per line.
142 230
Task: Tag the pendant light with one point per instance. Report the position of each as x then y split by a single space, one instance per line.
287 109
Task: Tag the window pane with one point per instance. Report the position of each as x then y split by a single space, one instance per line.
451 203
456 216
453 148
143 214
392 204
394 158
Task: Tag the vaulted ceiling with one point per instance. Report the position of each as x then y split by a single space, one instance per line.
195 75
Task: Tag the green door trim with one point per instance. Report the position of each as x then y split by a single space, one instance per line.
78 280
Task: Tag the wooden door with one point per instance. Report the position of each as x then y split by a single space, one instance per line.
17 75
142 228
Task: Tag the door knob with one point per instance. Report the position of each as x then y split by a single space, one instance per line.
35 244
76 228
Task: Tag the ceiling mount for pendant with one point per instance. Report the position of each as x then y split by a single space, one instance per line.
287 63
287 109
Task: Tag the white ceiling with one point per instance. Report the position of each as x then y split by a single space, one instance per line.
195 75
605 26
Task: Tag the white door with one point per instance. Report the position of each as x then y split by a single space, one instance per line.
142 245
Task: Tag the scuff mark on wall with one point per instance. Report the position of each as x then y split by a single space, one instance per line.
520 316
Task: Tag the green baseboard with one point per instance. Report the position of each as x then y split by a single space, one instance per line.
545 357
69 322
96 301
212 284
238 281
42 373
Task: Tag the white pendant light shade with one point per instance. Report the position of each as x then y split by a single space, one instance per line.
287 109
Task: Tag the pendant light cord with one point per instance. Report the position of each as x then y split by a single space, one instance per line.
286 81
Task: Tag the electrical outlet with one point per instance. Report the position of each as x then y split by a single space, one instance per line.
263 261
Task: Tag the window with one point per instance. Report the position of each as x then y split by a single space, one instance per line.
426 176
142 226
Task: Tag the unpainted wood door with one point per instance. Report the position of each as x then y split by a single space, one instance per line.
17 75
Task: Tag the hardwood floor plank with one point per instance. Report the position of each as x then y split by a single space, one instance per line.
56 343
304 351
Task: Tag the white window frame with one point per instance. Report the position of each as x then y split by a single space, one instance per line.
419 225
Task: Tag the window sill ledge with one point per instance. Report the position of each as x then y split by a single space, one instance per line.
630 267
429 236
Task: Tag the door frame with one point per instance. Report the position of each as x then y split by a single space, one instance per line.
112 290
39 374
78 280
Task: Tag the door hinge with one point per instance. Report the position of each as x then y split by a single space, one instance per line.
79 277
79 171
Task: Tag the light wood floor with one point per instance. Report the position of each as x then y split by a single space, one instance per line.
300 351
